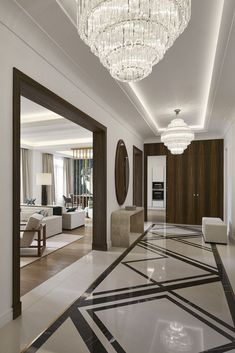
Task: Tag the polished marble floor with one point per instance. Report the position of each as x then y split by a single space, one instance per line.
168 293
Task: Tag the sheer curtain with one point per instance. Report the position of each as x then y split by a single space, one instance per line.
48 167
59 179
68 176
26 174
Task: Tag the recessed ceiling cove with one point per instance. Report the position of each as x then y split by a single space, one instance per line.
190 75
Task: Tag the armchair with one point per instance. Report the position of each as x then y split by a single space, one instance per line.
33 230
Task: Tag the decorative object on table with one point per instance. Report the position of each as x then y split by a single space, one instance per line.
129 37
44 179
177 136
30 202
121 172
130 208
71 209
67 201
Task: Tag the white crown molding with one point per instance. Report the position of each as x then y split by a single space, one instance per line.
57 143
220 59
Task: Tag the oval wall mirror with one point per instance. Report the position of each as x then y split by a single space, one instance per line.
121 172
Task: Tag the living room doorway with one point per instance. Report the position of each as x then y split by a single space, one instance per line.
56 182
56 194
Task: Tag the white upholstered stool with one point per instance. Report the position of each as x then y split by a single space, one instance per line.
214 230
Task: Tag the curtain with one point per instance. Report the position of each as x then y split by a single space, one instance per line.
59 179
68 176
48 167
83 176
26 174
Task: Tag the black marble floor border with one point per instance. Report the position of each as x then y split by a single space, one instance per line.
91 339
164 296
39 341
192 244
181 257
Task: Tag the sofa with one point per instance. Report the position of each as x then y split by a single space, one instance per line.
53 223
72 220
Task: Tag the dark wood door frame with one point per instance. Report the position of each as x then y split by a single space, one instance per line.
25 86
138 201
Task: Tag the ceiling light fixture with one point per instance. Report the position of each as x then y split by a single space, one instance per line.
177 136
130 36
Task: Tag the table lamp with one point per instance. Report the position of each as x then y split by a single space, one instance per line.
44 179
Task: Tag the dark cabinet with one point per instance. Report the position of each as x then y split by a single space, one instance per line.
194 181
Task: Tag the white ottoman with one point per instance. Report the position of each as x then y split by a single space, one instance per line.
53 225
72 220
214 230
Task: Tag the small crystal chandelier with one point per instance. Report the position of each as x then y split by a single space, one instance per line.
177 135
130 36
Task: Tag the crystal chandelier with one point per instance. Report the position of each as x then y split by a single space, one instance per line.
130 36
177 136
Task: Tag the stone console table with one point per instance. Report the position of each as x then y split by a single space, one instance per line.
123 223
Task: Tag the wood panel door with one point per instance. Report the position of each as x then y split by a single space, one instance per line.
195 183
181 188
209 181
137 177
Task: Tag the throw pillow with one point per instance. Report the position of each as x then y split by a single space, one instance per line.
72 209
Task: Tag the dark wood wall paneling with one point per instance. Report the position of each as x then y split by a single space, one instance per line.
137 177
195 181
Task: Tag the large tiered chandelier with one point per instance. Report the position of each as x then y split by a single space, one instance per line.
130 36
177 136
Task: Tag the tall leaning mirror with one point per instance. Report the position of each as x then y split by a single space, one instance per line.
121 172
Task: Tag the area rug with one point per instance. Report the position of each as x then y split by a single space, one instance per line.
53 244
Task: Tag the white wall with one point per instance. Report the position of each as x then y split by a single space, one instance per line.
153 163
40 59
229 178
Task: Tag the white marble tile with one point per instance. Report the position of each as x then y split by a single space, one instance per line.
181 248
160 324
146 319
167 269
66 339
121 277
209 297
46 302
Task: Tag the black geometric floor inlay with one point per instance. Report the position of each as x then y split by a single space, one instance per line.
96 314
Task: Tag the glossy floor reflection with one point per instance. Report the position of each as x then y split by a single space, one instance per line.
168 293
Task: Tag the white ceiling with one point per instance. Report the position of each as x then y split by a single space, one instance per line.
46 131
195 75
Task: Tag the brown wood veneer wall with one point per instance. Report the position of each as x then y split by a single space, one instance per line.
195 181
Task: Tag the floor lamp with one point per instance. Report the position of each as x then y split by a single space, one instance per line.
44 179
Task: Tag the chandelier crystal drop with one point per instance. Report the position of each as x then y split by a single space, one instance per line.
178 135
130 36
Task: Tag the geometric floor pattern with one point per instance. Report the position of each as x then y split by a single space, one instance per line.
167 293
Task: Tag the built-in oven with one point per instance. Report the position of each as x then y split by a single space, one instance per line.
158 195
158 185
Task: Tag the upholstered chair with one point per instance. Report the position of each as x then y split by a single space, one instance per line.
34 230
